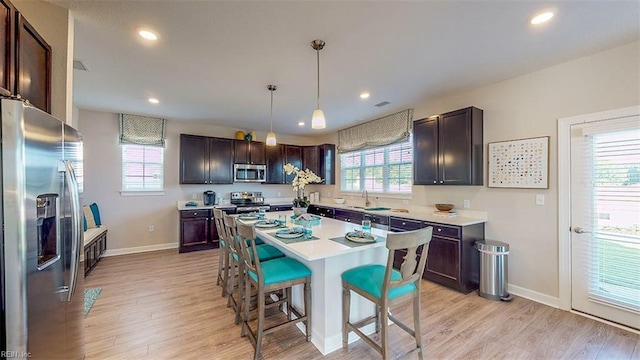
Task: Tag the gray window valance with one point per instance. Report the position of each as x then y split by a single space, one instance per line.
142 130
379 132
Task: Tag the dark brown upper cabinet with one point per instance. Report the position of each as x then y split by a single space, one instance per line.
249 152
293 156
206 160
33 66
26 58
7 20
321 160
275 164
448 148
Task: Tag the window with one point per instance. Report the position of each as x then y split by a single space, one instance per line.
385 169
142 168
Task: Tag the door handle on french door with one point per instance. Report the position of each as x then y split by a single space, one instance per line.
579 230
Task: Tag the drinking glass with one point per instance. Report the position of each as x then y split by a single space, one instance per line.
366 226
282 219
261 213
307 229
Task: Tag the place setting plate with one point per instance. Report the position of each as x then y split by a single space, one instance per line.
360 237
248 217
289 233
267 224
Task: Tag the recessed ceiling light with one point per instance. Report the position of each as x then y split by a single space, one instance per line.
300 123
154 100
364 95
542 18
148 34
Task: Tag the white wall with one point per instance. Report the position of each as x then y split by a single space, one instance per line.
526 106
55 25
129 217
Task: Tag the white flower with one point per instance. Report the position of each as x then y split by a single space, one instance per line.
302 178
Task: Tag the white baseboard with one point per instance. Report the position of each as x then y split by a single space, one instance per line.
534 296
140 249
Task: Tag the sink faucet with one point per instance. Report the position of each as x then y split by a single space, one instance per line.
365 195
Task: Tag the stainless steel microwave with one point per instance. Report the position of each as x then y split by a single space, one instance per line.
249 173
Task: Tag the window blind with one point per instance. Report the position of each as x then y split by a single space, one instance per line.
614 254
379 132
142 168
142 130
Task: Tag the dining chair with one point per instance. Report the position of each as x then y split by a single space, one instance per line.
386 286
265 252
276 275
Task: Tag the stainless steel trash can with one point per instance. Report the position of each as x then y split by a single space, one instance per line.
493 269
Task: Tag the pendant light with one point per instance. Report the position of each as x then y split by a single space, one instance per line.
317 120
271 137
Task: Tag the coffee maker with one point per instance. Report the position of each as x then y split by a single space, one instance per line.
209 197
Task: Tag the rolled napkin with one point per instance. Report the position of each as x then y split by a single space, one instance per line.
306 217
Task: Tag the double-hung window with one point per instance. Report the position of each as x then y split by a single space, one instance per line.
142 142
384 169
142 168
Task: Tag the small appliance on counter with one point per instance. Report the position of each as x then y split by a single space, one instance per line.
209 198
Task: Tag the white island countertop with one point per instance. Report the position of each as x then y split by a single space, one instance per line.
323 247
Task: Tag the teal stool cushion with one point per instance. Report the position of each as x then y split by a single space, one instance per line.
369 278
222 243
281 270
267 252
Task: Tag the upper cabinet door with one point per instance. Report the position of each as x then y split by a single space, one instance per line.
293 156
249 152
194 159
257 153
6 44
425 151
241 151
33 66
221 153
275 164
311 159
460 147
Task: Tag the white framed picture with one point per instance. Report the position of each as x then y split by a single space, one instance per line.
522 163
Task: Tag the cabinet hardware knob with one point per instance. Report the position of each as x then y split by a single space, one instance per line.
435 182
404 223
439 230
195 213
441 181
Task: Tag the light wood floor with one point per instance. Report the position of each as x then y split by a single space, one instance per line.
165 305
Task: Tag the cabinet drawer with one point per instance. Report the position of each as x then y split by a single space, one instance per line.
281 207
377 219
405 224
326 212
445 230
194 213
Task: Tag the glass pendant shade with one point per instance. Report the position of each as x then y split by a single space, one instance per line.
271 139
317 120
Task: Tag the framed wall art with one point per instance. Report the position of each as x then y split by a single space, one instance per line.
520 163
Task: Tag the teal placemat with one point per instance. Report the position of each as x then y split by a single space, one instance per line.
342 240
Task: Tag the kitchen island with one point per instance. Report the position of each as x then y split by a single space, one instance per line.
327 259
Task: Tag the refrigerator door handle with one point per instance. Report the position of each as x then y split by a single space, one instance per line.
76 236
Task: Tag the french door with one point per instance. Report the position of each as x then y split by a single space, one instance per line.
605 219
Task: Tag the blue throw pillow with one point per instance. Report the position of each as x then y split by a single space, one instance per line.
96 214
84 222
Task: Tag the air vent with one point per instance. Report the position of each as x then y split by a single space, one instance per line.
381 104
78 64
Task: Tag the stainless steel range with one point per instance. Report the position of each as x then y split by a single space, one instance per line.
248 201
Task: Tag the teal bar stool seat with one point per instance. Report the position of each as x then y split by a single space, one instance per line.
276 275
385 286
265 253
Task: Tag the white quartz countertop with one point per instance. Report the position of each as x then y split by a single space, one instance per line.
322 248
200 206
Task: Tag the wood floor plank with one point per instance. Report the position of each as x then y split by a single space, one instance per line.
164 305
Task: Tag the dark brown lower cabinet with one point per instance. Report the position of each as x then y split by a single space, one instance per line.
452 259
197 230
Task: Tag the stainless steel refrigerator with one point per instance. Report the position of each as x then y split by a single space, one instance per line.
42 287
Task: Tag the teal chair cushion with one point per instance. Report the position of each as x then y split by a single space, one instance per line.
281 270
258 241
369 278
222 243
267 252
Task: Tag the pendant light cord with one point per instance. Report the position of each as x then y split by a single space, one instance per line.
271 119
318 62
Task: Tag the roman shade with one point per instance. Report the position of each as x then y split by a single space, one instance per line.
379 132
142 130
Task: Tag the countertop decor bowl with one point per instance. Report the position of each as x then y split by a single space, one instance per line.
339 200
444 207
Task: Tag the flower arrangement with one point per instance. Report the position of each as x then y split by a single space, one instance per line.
302 178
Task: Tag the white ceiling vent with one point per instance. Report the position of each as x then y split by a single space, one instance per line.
78 64
381 104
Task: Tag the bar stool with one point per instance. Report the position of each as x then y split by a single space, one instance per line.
265 253
385 286
267 277
223 258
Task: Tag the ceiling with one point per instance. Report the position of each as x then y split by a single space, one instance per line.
214 59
